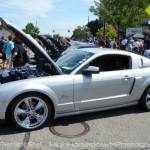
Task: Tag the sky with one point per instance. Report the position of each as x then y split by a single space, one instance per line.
48 15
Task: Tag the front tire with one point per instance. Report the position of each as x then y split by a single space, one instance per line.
145 100
30 111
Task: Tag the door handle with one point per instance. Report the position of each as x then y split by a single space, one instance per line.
127 77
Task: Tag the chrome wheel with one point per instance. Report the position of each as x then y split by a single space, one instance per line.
148 100
31 112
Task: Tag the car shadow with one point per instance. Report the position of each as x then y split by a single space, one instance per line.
64 121
7 129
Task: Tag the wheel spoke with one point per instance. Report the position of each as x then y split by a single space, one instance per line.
26 122
39 106
38 117
28 103
148 103
21 111
148 96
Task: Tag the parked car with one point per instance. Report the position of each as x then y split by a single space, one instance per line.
81 81
61 44
79 45
52 51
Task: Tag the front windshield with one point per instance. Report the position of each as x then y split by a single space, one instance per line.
72 60
70 48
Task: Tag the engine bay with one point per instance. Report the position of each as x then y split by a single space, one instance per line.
32 69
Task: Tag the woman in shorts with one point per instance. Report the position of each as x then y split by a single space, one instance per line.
8 47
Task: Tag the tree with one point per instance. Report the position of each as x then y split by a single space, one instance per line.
81 33
30 28
47 35
94 26
121 14
109 32
55 36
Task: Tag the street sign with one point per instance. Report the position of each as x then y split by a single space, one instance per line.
130 31
147 10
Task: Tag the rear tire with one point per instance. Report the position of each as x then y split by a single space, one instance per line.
30 111
145 100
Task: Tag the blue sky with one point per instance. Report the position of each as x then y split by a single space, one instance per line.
58 15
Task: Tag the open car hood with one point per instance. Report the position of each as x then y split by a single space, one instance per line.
60 47
31 44
53 53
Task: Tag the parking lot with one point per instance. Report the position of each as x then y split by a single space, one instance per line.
124 128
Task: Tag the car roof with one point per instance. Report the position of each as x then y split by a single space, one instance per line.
87 46
97 50
107 50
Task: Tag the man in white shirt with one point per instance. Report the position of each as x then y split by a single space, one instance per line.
123 44
136 46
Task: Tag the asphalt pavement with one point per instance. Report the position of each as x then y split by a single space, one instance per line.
124 128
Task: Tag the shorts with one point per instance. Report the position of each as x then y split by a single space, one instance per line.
8 57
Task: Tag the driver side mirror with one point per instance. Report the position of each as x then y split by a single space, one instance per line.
90 70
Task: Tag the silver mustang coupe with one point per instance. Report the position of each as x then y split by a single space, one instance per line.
85 80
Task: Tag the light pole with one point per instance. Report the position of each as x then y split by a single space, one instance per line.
104 30
149 29
148 34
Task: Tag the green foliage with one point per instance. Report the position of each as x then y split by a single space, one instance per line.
47 35
121 13
81 33
30 28
56 36
109 32
94 26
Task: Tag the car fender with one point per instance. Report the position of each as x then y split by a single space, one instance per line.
19 89
38 87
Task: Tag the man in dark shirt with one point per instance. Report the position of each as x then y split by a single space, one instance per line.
18 54
146 43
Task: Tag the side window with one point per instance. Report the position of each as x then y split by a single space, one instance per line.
112 62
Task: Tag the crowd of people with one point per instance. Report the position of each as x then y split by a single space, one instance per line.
12 52
132 44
